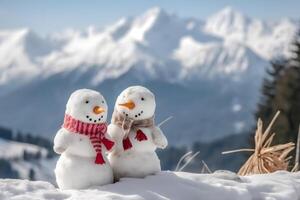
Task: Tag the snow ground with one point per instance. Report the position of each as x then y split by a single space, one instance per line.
168 185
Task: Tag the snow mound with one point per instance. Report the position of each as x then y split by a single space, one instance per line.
168 185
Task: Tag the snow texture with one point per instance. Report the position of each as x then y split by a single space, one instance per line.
168 185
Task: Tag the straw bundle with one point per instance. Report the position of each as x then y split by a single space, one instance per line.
266 158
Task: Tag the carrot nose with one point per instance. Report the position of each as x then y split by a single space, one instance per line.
129 104
97 110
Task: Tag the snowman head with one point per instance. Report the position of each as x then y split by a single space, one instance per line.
136 102
87 106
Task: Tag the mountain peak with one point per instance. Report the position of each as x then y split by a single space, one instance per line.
227 21
155 15
229 10
152 20
19 34
155 11
228 13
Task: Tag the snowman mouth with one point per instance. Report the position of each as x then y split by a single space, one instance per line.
136 115
94 120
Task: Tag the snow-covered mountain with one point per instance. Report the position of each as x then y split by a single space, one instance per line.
268 39
203 72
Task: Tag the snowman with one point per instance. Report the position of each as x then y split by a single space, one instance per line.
82 142
136 136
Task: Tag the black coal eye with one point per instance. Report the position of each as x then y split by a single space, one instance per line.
142 98
102 101
87 101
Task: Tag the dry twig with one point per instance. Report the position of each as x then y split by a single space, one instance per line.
297 167
205 168
189 156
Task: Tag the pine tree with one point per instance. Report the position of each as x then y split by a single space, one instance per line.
281 91
19 137
38 155
6 170
289 99
6 133
31 175
269 89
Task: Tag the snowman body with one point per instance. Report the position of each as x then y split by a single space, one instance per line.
76 167
138 159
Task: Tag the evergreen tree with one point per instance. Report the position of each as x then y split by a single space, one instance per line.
281 91
269 89
6 133
19 137
26 155
31 174
6 170
38 155
289 99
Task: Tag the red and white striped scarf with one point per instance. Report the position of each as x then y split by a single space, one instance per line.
95 132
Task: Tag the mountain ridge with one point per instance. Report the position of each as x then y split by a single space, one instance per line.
150 38
199 72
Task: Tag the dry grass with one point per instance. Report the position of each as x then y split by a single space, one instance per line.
266 158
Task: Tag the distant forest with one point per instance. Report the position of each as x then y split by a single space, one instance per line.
6 170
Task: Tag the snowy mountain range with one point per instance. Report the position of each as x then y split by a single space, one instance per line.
205 73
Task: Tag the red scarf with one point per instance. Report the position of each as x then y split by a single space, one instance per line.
96 133
127 124
140 136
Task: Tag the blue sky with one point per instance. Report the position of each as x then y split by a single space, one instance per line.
46 16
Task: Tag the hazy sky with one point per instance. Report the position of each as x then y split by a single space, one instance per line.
45 16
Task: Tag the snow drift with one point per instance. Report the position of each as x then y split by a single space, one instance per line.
168 185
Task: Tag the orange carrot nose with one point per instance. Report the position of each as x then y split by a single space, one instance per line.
97 110
130 104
